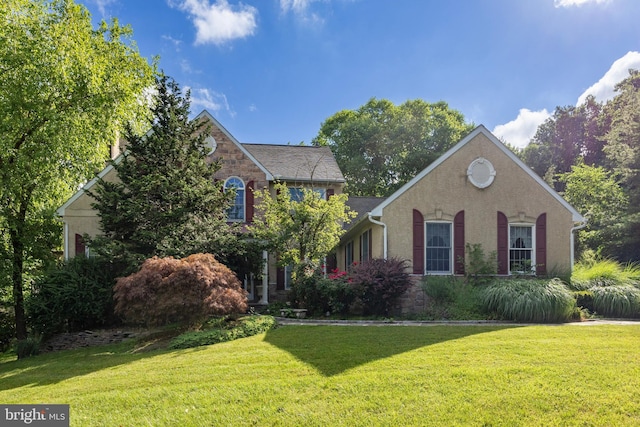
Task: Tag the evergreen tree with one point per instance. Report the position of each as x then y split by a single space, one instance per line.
166 202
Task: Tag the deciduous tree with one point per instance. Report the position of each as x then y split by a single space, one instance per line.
304 229
380 146
595 193
65 90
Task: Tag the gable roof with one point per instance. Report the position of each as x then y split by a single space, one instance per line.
297 162
361 206
278 162
577 217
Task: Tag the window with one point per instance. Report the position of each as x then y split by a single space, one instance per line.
521 258
365 245
297 194
348 255
236 211
438 248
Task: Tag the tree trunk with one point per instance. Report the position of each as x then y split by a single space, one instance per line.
16 277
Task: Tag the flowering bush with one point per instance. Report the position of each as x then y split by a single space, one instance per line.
188 290
319 294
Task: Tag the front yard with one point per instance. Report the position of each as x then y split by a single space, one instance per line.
572 374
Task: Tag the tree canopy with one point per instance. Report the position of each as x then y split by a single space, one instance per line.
380 146
166 201
65 90
570 136
591 154
303 229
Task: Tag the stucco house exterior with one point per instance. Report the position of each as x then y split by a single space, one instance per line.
478 192
245 167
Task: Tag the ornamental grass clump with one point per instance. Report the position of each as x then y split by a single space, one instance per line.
604 272
530 300
186 291
616 301
608 287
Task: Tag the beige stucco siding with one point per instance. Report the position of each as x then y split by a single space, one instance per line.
80 218
446 190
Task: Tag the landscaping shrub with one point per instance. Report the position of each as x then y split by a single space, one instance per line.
28 347
7 327
479 268
244 327
614 288
76 295
584 300
378 283
439 288
188 290
604 272
530 300
616 301
452 298
319 294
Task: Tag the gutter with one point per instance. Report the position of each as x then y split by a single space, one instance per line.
384 233
580 226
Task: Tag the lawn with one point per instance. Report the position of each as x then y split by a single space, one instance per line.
572 374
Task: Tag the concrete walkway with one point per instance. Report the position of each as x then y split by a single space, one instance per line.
284 321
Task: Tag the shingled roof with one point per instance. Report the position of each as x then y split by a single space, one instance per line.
297 162
362 206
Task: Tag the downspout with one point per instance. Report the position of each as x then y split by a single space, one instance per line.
384 234
580 226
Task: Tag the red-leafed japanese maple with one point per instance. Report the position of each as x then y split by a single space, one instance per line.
187 290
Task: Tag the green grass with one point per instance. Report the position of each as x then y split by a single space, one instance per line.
350 376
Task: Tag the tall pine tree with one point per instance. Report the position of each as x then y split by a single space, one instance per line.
166 201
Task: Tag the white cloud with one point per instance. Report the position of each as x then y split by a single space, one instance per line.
219 22
102 5
301 9
209 100
578 3
297 6
519 132
175 42
604 89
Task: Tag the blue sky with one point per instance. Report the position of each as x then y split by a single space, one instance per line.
271 71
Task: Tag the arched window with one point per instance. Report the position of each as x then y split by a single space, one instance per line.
236 211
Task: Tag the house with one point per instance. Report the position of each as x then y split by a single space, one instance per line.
245 167
478 192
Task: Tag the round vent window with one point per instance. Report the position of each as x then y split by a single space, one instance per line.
210 142
481 172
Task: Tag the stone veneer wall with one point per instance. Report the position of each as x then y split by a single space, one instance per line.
235 162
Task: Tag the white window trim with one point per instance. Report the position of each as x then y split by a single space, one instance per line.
533 247
244 198
438 273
